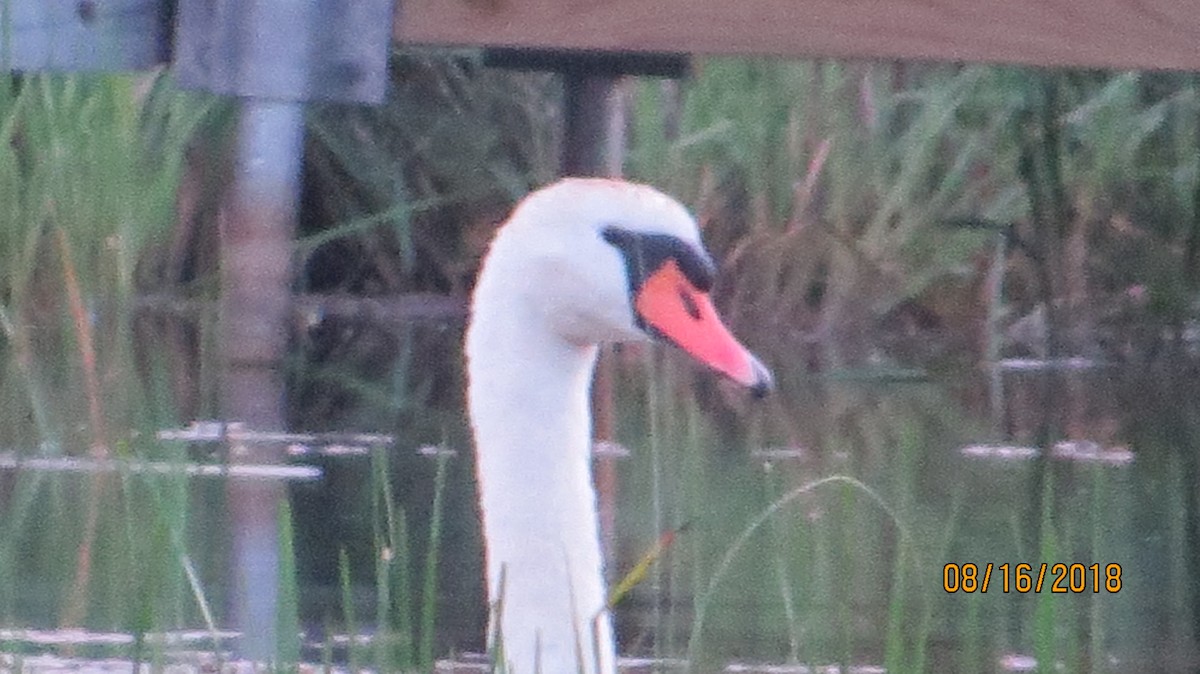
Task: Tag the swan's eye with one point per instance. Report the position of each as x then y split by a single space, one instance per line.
646 253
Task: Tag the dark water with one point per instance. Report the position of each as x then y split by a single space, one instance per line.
775 563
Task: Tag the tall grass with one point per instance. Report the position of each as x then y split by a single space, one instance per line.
403 197
841 196
88 171
405 610
89 165
98 157
838 192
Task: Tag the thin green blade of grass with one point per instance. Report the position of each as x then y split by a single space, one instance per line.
787 589
21 505
640 569
382 526
403 597
433 552
349 614
1045 612
287 613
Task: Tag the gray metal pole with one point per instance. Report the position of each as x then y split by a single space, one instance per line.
273 55
594 145
257 230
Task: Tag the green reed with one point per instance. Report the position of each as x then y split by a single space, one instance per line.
98 156
287 618
349 613
89 167
405 612
827 187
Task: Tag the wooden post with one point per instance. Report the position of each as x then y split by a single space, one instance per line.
594 121
594 145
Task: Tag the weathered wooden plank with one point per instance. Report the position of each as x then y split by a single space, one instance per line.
1151 34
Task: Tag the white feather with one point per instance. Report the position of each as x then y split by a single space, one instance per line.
549 291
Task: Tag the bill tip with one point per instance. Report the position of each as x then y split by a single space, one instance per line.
763 382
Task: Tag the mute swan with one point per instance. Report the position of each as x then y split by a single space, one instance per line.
579 262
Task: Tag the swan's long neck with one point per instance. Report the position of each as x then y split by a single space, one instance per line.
529 405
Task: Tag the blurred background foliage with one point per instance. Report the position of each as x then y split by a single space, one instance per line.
851 203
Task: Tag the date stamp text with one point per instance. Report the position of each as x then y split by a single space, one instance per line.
1058 578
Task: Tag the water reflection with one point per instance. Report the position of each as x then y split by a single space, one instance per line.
844 573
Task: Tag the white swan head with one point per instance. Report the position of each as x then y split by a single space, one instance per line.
579 262
596 260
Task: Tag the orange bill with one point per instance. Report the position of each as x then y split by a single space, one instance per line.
685 316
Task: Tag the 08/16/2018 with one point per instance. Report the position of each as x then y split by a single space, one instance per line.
1023 578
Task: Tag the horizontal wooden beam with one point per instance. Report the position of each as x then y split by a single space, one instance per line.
1123 34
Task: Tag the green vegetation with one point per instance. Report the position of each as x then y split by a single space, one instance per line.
89 167
842 199
842 195
827 546
98 157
